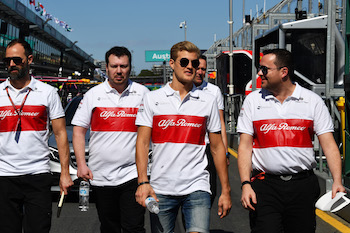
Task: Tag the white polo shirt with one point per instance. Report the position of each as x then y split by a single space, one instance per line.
215 91
30 154
283 133
111 119
178 138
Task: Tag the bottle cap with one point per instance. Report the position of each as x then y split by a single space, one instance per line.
155 210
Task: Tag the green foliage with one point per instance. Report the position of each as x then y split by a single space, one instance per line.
146 73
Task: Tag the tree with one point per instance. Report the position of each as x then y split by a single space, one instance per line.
146 73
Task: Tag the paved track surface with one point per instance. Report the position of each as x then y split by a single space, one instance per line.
72 220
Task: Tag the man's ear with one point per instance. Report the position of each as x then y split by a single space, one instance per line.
172 63
285 73
30 59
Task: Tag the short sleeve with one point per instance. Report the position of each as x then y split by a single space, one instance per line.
82 116
219 99
322 119
54 105
245 122
214 123
144 115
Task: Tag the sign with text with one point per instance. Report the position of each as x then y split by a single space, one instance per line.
157 55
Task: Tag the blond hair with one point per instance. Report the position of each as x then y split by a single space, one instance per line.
183 46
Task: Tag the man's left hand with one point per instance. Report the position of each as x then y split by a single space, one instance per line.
337 188
224 205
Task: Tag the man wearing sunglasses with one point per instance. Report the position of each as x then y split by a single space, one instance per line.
176 118
275 155
26 107
214 90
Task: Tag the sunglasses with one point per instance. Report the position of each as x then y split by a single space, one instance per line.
16 60
265 69
184 62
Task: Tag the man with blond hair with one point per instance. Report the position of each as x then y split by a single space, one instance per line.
176 118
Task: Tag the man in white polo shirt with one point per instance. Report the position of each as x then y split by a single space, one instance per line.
176 118
26 108
109 110
214 90
276 126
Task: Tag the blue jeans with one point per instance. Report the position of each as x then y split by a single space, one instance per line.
195 208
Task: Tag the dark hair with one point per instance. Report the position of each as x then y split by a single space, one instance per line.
284 58
203 57
27 49
183 46
118 51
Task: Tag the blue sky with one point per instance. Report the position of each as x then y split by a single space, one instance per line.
146 25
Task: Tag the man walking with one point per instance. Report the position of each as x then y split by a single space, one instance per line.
109 111
26 108
276 126
176 118
214 90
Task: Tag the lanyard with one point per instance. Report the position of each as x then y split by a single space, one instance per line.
19 113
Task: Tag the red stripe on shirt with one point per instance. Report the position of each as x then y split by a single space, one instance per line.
179 129
283 133
114 119
33 118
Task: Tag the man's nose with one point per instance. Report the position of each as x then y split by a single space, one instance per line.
12 63
119 69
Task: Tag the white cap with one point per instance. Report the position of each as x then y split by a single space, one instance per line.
326 203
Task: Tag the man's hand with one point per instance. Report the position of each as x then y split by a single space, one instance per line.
337 188
84 172
248 196
144 191
65 183
224 205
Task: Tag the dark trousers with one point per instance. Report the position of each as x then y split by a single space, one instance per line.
212 172
118 210
285 206
25 201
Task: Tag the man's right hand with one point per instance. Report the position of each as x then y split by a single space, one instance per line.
248 197
144 191
84 172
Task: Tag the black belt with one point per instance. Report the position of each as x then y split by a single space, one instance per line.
285 177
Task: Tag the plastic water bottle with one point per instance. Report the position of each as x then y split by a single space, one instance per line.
84 189
152 205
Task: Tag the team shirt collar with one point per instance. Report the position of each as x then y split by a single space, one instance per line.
203 86
31 84
170 92
129 88
295 95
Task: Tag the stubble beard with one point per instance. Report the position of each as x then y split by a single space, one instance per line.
22 72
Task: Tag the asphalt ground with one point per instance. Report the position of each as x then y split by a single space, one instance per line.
72 220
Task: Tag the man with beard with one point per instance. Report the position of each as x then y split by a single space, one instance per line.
26 108
109 111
